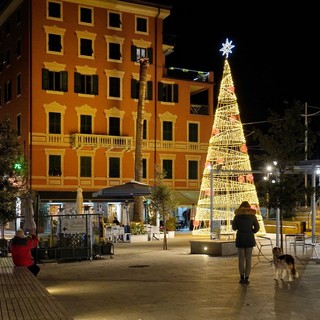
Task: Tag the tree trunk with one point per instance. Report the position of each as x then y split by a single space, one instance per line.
138 215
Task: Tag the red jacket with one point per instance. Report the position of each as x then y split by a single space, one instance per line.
21 250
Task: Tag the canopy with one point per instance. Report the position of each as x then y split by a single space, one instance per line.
124 191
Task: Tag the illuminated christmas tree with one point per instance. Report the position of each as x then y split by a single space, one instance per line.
227 177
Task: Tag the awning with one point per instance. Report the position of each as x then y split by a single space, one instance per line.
126 191
186 198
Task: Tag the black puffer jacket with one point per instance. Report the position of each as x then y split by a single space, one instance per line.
246 224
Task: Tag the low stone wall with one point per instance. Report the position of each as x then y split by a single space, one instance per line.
213 247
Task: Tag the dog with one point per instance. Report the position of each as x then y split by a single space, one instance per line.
283 265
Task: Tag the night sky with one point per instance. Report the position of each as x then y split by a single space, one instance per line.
274 59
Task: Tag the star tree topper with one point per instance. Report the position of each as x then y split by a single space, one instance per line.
227 48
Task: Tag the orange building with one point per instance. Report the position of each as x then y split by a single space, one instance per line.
69 75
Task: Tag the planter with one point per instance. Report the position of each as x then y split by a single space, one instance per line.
171 234
139 237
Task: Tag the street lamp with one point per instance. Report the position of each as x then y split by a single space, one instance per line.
210 168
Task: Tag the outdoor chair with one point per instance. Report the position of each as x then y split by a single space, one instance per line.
261 242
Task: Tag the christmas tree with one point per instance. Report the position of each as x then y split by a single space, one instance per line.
227 177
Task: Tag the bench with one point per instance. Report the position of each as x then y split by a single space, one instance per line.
22 296
213 247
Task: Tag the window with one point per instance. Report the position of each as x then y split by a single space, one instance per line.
114 20
114 167
141 25
167 168
114 51
85 166
18 48
19 125
54 10
54 39
114 126
18 16
167 130
54 80
54 122
144 168
54 165
192 170
54 44
87 84
86 47
193 132
135 89
8 58
138 52
167 92
85 124
19 84
86 16
114 87
8 91
144 129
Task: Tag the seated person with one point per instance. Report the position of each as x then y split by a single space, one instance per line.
116 221
20 248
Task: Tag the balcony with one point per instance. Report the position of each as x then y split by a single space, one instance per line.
79 140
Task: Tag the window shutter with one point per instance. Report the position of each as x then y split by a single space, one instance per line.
45 79
160 91
134 53
134 89
175 92
95 84
77 82
64 77
149 90
150 55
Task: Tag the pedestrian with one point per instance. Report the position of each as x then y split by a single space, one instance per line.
116 221
246 224
20 248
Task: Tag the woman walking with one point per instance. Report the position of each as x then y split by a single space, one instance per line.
246 224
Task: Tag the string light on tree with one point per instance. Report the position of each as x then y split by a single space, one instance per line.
227 177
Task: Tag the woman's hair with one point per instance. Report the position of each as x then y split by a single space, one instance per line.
245 204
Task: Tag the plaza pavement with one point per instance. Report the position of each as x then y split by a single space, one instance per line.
144 282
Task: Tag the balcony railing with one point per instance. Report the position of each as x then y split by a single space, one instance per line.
79 140
199 109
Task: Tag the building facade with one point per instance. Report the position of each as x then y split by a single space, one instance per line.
69 79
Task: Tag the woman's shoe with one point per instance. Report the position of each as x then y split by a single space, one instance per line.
242 279
246 280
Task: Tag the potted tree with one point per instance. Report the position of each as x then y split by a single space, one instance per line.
163 204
